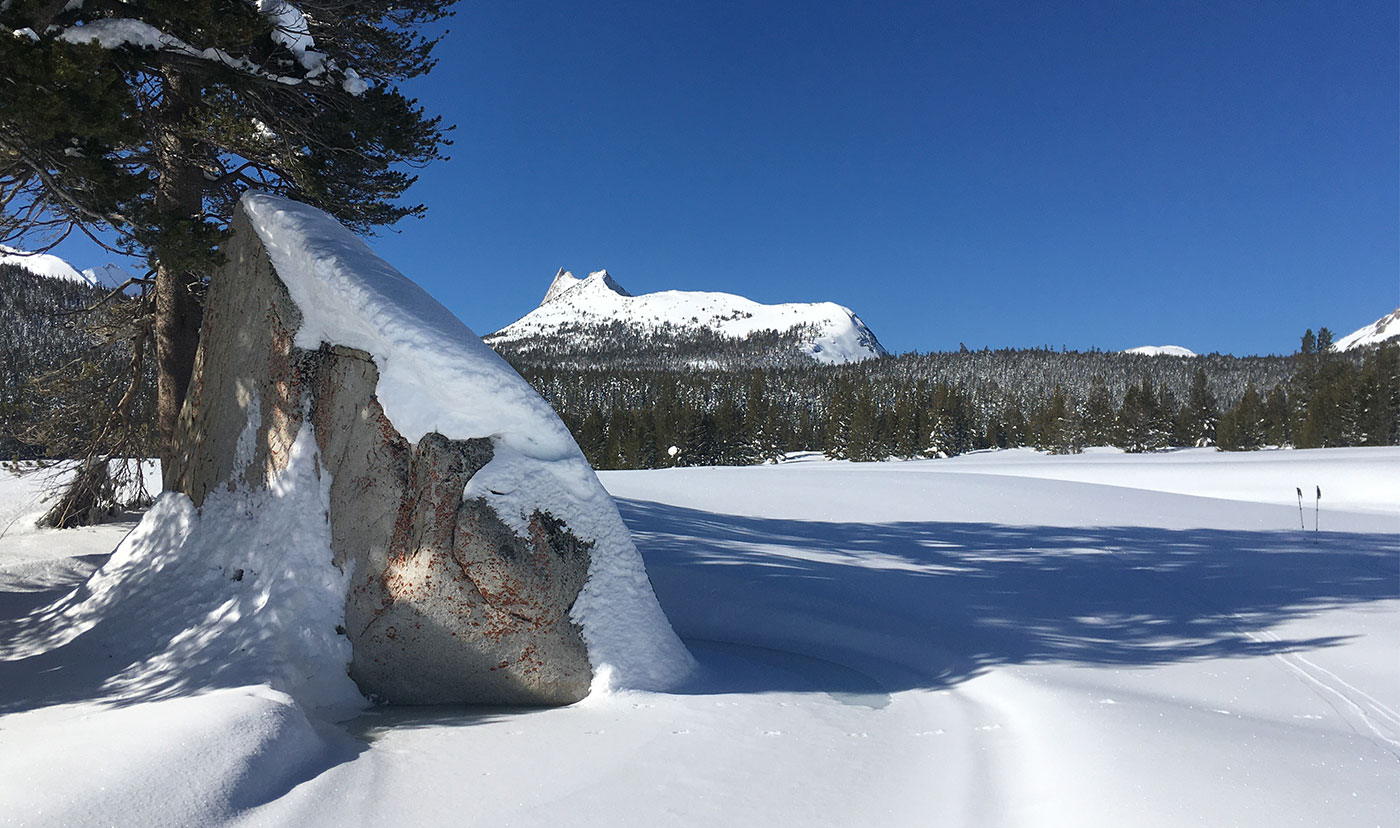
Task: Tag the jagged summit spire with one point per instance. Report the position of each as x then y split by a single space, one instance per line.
564 281
610 282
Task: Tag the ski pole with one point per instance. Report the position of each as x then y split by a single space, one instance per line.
1317 508
1301 525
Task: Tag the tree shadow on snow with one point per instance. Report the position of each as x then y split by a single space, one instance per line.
850 608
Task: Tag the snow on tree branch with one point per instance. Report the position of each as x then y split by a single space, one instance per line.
117 33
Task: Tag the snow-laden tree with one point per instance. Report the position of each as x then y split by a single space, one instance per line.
144 120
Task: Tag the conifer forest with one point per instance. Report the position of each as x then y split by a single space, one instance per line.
641 407
944 404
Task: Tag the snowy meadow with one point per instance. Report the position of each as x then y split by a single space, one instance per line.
1003 638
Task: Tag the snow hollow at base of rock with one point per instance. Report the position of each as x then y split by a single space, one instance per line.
238 593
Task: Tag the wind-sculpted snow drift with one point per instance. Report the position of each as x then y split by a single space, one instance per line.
482 561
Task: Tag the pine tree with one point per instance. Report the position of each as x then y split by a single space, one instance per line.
1098 415
649 450
908 426
1165 418
996 431
1015 420
701 446
147 119
1242 427
1302 388
763 421
1198 417
836 432
735 444
950 422
1379 397
592 437
1144 423
863 437
1275 425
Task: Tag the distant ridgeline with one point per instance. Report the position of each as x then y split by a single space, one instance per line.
53 367
630 414
596 323
630 392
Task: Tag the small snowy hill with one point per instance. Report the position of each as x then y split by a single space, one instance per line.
1383 329
51 266
109 275
41 264
1162 350
578 312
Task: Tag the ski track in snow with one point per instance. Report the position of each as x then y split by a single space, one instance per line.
1373 715
1362 712
1000 639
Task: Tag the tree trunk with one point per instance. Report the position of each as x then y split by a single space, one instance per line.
177 321
179 202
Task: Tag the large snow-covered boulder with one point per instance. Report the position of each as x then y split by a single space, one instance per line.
486 562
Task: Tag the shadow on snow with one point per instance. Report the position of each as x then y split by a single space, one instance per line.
858 610
855 608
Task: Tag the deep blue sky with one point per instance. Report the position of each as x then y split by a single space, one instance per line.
1219 175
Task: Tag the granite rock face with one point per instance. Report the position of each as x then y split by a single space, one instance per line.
448 604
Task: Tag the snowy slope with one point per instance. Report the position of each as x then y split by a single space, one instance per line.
1003 639
47 264
41 264
1161 350
108 275
836 334
1382 330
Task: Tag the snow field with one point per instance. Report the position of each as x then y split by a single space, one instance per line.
989 640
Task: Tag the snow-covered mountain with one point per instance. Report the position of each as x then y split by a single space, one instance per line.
1162 350
1385 328
41 264
581 311
109 275
51 266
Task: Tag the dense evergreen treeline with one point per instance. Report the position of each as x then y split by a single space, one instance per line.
667 347
928 405
1329 401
